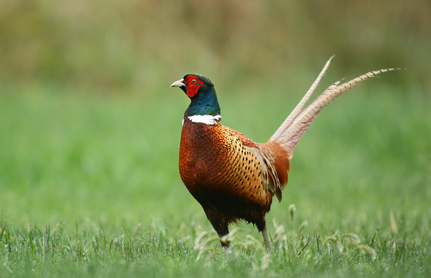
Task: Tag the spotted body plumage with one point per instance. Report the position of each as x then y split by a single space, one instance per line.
220 170
231 176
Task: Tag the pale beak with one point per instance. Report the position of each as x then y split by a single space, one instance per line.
179 83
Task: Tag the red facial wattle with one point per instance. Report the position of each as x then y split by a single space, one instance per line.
193 84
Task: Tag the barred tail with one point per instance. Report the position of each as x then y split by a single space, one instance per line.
292 129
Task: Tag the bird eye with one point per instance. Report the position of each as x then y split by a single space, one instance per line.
193 81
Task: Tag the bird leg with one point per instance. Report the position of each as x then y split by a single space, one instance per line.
225 245
220 222
265 238
224 241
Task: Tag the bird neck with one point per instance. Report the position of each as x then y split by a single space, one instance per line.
204 103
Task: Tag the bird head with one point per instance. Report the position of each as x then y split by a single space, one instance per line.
202 94
192 84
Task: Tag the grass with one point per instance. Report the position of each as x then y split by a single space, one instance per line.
90 187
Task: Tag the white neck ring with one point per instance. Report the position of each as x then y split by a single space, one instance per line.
205 119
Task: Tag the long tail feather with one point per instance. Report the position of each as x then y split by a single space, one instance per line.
298 108
292 129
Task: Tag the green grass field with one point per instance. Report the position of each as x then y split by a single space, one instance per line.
89 187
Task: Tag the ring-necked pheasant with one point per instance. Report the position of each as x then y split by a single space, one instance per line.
231 176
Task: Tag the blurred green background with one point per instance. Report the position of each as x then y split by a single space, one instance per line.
90 129
137 46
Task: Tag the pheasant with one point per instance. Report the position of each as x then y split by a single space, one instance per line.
231 176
